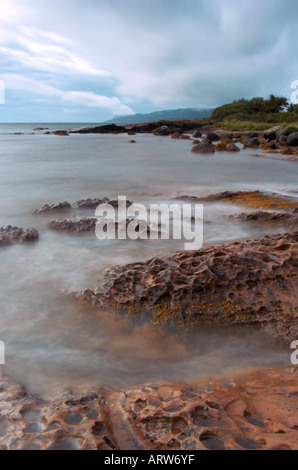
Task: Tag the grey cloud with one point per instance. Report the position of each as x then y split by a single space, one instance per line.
157 52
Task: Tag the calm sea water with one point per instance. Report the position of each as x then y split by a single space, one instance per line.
52 343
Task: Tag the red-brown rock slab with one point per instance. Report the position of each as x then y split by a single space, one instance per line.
14 235
249 282
256 409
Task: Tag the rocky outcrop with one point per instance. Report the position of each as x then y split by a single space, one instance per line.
91 203
276 218
61 206
61 133
251 199
251 282
105 129
248 411
14 235
74 225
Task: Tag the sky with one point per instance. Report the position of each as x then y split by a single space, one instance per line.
91 60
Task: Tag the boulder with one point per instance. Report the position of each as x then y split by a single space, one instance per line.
252 134
197 134
293 139
232 148
251 143
212 136
203 147
271 133
287 131
163 130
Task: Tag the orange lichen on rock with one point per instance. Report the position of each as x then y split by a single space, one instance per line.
251 282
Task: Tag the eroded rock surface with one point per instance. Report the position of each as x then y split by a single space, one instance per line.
274 218
61 206
251 199
91 203
74 225
251 282
14 235
254 410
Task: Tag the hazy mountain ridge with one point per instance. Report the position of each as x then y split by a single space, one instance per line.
170 114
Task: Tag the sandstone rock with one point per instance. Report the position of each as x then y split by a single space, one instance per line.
14 235
91 203
74 225
277 218
250 199
61 206
251 282
254 410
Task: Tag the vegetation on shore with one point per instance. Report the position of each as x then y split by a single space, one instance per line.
255 114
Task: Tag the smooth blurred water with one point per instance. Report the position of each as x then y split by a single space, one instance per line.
50 342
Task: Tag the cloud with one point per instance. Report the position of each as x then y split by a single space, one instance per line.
121 56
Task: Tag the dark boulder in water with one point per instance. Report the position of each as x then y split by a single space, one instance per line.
293 139
204 147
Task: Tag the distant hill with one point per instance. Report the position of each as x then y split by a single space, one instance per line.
170 114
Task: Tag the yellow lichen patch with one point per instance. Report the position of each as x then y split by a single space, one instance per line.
258 200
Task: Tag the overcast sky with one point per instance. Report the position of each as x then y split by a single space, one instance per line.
88 60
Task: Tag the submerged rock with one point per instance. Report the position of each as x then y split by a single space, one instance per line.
251 199
91 203
61 206
75 225
163 131
250 282
14 235
277 218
